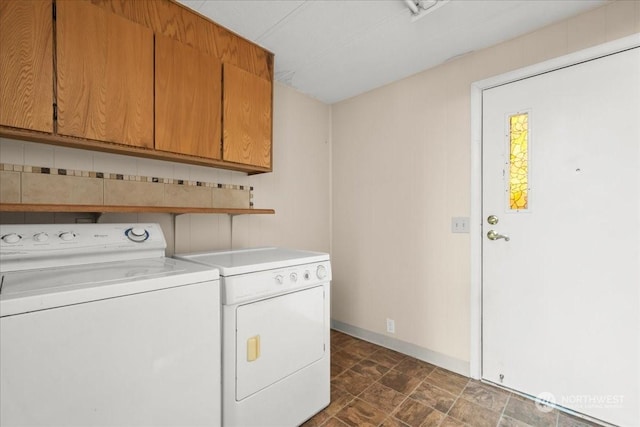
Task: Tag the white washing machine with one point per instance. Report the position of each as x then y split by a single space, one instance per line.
275 327
98 328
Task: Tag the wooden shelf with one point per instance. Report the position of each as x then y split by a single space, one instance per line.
22 207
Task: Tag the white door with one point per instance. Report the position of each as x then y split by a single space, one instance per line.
561 296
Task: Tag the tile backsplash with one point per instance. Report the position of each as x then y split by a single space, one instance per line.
40 173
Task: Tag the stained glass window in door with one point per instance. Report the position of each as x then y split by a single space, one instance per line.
519 161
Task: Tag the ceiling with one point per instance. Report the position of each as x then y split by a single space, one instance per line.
336 49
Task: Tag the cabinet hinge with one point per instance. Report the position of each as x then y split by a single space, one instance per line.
53 9
55 111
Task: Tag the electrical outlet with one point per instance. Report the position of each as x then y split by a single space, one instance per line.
460 224
391 326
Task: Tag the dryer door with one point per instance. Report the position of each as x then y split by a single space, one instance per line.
277 337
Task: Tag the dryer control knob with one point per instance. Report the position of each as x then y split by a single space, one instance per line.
11 238
279 279
321 272
67 235
294 277
41 237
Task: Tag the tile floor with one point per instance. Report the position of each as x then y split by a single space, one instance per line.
375 386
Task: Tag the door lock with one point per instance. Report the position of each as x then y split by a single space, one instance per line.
493 235
492 219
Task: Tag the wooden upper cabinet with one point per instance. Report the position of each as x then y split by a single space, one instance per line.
104 75
188 100
26 64
247 115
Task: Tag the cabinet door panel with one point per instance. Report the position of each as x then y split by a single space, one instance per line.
246 118
105 75
188 100
26 64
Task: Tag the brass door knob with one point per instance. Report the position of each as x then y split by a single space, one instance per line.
493 235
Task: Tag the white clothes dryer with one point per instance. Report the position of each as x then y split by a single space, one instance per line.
275 348
98 328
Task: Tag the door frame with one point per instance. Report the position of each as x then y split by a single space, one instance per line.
629 42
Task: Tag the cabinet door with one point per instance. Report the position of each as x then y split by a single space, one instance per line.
26 64
188 100
105 75
246 118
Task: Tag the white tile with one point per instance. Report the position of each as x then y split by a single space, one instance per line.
38 155
73 159
181 171
155 168
238 178
114 163
11 151
203 174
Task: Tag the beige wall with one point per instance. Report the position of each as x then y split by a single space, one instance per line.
298 189
401 171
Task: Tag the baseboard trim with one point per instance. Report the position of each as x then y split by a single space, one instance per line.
447 362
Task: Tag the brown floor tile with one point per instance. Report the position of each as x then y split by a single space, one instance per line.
375 386
382 397
351 381
343 340
434 419
360 413
525 410
452 422
511 422
386 357
336 369
414 368
393 422
416 414
370 369
474 415
334 422
399 381
345 359
434 397
485 395
566 420
339 399
361 349
447 380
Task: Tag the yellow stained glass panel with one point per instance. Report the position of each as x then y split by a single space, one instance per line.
519 162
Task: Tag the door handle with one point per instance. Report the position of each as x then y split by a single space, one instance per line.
493 235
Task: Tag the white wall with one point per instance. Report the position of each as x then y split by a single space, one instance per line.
298 189
401 171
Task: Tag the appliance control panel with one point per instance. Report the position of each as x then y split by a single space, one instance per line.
264 284
27 246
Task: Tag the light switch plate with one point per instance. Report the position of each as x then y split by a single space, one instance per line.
460 224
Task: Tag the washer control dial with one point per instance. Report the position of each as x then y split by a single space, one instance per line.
67 236
321 272
279 279
137 234
41 237
294 277
11 238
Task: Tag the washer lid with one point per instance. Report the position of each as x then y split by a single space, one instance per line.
231 263
32 290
